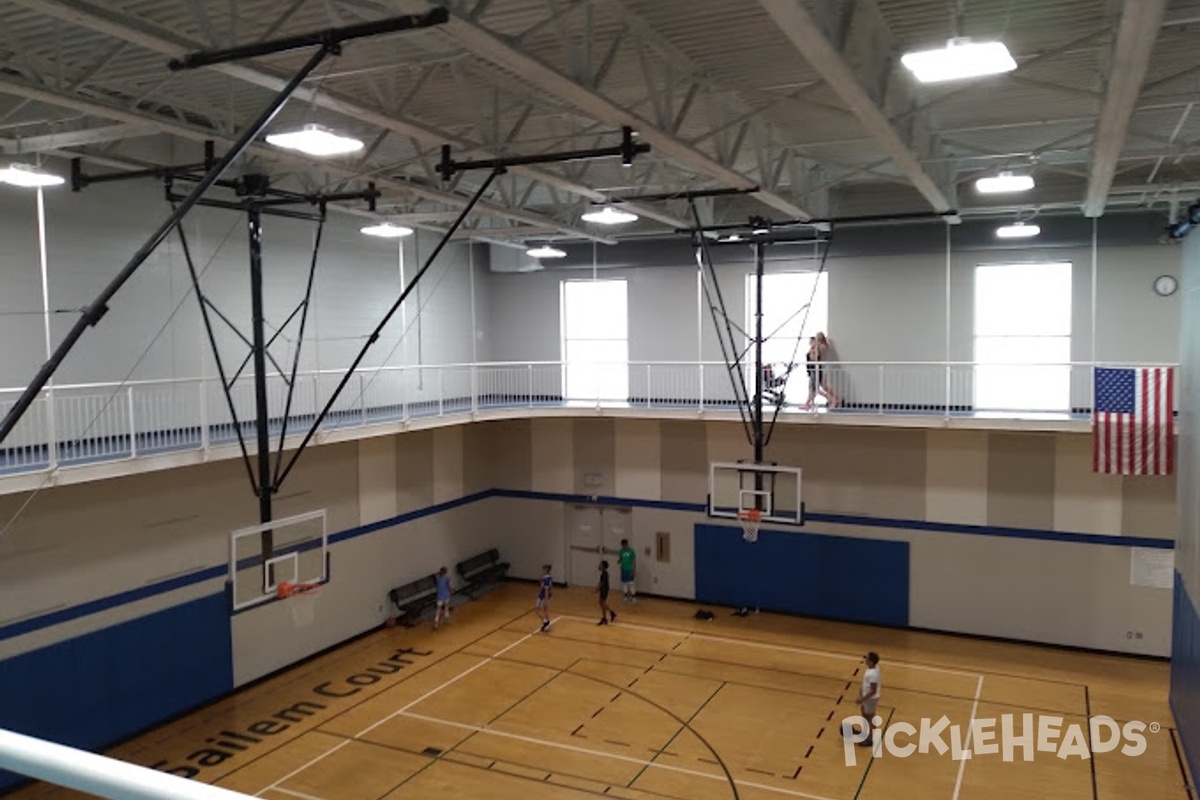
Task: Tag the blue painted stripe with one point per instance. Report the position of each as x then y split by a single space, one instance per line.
988 530
112 601
133 595
868 522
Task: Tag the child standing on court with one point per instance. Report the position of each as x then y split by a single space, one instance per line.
602 590
628 560
545 588
443 598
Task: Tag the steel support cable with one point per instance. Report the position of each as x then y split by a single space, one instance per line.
129 374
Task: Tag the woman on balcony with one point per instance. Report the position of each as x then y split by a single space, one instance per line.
818 380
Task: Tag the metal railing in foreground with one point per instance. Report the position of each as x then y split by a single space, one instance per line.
99 775
90 423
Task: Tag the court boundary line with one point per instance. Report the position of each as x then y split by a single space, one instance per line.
403 709
962 765
904 690
785 648
614 756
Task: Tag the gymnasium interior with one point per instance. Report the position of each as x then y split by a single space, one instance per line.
716 351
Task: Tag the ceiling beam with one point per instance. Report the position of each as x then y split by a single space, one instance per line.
805 33
1136 34
54 97
68 139
129 30
486 45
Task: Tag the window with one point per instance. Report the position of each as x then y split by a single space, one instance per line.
795 307
595 326
1023 337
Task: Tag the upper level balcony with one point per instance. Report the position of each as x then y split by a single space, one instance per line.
91 431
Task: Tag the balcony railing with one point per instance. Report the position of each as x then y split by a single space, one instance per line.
89 423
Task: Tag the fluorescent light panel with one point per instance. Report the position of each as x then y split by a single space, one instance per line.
609 216
545 251
1019 230
959 59
1003 183
29 177
387 230
314 140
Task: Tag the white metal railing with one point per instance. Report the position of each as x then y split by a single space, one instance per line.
86 423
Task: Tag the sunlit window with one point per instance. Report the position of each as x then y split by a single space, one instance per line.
595 326
1023 337
795 307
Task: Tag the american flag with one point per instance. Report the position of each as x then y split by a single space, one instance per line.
1133 425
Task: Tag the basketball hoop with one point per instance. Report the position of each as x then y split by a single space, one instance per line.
302 598
750 518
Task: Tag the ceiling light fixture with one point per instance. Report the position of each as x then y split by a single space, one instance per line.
314 140
609 216
545 251
29 177
960 58
1004 183
387 230
1019 230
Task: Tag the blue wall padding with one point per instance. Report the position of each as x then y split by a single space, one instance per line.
101 687
1185 674
798 572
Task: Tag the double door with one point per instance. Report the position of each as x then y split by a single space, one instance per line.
594 534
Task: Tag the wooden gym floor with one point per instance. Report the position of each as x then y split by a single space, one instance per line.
488 709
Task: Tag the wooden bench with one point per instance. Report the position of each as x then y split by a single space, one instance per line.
412 599
478 571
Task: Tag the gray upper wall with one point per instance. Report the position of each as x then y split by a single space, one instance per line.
887 292
153 329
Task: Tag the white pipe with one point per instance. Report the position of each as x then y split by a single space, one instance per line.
44 265
100 775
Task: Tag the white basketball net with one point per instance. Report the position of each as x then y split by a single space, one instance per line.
750 521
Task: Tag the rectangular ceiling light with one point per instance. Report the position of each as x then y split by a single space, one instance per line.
1003 183
1017 230
960 58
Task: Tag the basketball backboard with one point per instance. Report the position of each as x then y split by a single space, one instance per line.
770 488
299 554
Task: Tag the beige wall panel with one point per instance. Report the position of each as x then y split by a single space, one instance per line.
956 465
638 459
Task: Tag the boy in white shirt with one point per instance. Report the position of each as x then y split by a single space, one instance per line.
868 696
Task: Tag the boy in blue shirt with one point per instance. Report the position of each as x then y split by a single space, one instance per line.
545 589
443 598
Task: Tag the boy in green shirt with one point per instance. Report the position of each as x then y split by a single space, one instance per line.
628 560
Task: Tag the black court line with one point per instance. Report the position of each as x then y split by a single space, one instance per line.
674 736
966 671
871 760
1087 700
1187 785
318 728
901 691
448 756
